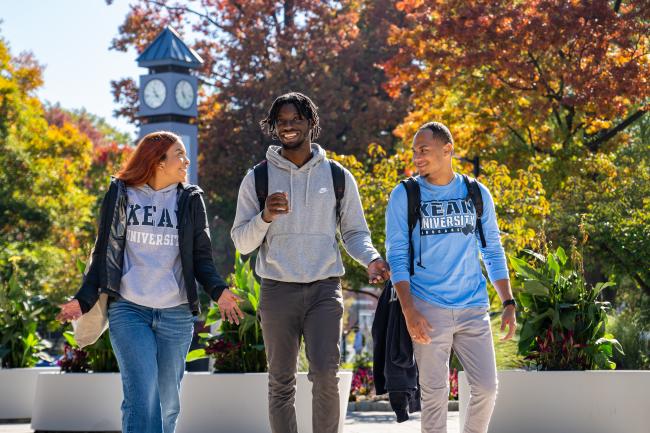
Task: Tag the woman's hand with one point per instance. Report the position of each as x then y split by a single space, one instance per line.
229 307
69 311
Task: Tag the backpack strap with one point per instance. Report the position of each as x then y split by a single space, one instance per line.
413 207
474 194
261 173
338 179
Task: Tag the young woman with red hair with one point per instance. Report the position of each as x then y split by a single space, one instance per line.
153 245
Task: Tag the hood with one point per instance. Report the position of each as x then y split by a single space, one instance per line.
273 157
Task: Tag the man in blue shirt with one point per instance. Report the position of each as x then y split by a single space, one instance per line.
445 301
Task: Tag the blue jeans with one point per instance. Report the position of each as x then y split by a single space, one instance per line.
150 346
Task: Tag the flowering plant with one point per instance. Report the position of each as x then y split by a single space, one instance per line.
453 384
225 354
564 320
73 360
362 379
236 348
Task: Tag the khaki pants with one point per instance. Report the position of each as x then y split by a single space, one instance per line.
289 312
468 332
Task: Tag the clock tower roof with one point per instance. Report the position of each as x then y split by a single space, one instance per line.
169 49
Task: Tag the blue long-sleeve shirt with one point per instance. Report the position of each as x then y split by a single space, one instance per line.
445 244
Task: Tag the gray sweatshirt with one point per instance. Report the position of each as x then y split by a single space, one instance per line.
301 246
152 274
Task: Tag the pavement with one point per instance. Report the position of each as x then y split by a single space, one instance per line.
355 422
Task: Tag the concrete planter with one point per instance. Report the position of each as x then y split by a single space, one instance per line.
238 403
567 402
78 402
209 402
18 386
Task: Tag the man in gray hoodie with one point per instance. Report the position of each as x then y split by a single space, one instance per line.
299 260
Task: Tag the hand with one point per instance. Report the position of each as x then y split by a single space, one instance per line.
228 304
276 204
378 271
509 318
418 326
69 311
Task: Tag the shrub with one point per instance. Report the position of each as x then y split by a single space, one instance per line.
563 320
236 348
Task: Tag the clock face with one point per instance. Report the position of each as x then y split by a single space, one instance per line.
154 93
184 94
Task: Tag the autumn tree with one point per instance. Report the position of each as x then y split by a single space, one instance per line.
45 211
550 87
256 50
111 147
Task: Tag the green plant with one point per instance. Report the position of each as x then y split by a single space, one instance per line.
236 348
21 313
563 320
98 357
631 331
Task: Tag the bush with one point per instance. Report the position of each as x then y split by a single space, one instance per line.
98 357
563 320
21 314
237 348
632 331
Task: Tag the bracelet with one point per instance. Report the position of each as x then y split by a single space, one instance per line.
510 302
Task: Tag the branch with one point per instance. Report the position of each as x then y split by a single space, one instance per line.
531 143
642 284
509 84
617 5
517 134
604 136
552 93
186 9
363 292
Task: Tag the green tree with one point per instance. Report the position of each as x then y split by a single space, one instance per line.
45 211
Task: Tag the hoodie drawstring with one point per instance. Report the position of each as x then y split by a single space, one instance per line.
290 189
307 189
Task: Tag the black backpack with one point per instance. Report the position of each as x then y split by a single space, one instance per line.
261 172
413 200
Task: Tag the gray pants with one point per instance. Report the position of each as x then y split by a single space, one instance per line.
468 332
288 312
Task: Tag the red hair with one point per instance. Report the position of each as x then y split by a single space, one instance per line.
151 150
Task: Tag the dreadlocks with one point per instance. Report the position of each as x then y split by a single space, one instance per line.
305 106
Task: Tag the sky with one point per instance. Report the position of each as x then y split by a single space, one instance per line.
72 38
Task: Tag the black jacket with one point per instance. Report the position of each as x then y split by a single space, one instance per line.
104 271
394 369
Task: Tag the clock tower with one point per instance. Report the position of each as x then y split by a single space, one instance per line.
167 93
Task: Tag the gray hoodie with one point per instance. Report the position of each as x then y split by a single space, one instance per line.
301 246
152 274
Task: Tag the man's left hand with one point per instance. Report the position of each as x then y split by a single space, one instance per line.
509 318
378 271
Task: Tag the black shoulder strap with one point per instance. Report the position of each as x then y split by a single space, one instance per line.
261 172
474 194
413 203
338 179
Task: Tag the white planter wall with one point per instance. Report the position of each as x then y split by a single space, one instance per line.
78 402
18 387
568 402
233 403
238 403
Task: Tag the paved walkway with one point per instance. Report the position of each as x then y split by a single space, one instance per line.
384 422
355 422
